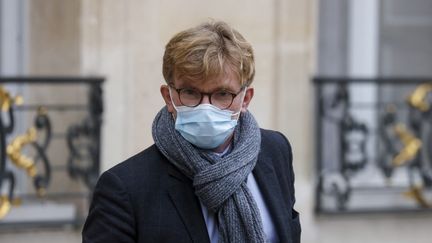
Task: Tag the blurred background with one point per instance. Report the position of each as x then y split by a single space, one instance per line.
112 50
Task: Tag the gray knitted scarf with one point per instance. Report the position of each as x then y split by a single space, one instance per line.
219 182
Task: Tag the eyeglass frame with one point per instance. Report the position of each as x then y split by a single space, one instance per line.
234 95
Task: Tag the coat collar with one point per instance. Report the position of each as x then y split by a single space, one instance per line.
269 186
187 205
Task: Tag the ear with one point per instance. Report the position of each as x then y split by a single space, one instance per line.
247 98
164 89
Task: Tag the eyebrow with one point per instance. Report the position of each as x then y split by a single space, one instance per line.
223 87
212 91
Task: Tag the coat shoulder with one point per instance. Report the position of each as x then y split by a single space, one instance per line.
145 165
274 140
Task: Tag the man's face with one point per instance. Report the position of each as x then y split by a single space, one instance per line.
227 82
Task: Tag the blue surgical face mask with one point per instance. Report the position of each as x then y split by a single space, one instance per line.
205 125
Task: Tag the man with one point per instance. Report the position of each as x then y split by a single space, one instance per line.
212 175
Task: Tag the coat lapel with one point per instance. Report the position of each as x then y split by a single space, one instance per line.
268 184
187 205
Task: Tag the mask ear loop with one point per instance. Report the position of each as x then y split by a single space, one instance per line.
241 106
172 101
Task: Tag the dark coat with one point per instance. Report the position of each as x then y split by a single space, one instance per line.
147 199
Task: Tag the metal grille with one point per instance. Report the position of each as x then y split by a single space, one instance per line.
373 145
49 149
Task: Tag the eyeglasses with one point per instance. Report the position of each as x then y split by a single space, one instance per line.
222 99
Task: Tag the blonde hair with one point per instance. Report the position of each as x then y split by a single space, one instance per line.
208 51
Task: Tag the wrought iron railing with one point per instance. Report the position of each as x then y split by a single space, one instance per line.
50 131
373 145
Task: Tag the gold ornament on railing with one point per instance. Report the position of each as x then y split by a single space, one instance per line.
6 100
411 144
416 193
14 152
417 99
5 206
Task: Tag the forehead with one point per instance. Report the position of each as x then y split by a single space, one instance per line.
225 81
